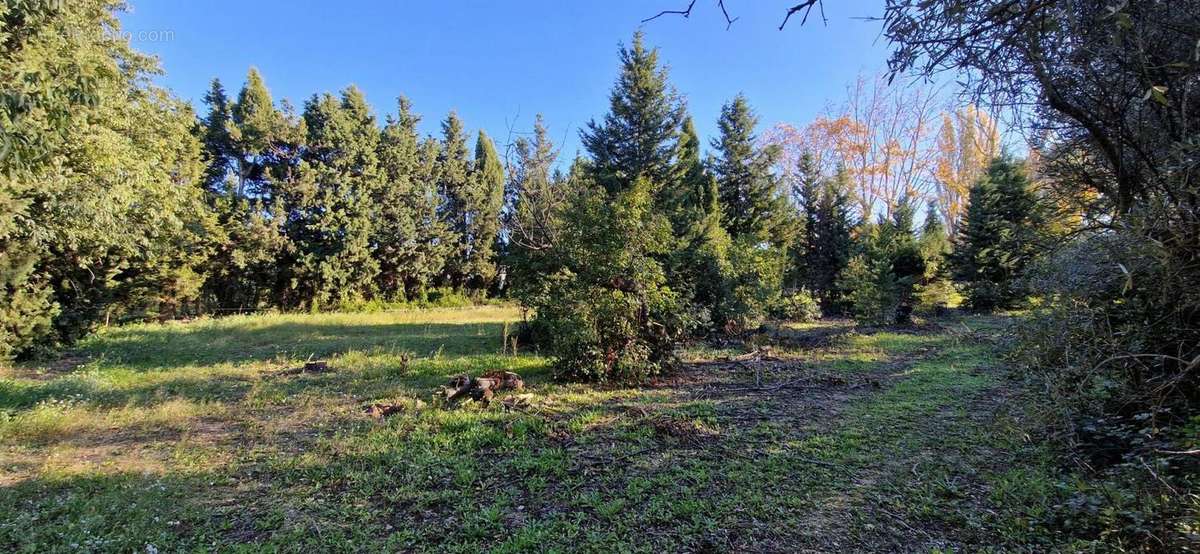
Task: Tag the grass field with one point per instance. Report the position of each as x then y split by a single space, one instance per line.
191 436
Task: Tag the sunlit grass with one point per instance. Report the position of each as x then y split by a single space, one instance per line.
188 436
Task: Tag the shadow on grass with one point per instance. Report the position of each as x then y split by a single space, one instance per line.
167 347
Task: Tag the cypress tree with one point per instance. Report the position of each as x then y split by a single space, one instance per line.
340 173
486 200
254 129
395 231
454 185
535 198
438 242
245 157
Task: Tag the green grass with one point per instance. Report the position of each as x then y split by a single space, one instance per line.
186 437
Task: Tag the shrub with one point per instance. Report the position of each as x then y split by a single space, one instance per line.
1114 331
1113 346
755 282
607 313
798 306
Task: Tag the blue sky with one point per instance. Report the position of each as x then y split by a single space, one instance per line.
500 62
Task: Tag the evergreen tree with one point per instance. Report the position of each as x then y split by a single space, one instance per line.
807 192
755 214
935 292
243 178
935 242
533 216
607 311
253 133
999 236
218 148
907 263
749 190
340 175
454 185
637 137
438 242
486 201
829 248
407 241
880 280
699 269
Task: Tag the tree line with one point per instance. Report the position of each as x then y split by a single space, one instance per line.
121 203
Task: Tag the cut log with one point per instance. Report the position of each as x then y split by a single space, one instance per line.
482 388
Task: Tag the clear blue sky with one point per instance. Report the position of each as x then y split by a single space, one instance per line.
500 61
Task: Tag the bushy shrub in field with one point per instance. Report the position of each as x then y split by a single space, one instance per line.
607 312
1113 345
800 306
1109 335
755 282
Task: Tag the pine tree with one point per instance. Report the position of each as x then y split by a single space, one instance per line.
934 243
907 263
829 248
218 145
637 137
688 198
749 190
807 192
699 268
935 292
998 237
608 312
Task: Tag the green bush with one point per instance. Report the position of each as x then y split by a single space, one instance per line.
755 282
798 306
1113 346
936 296
607 313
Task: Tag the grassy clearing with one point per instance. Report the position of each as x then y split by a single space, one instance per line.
185 436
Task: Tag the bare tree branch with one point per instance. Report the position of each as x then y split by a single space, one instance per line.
807 6
685 13
728 21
